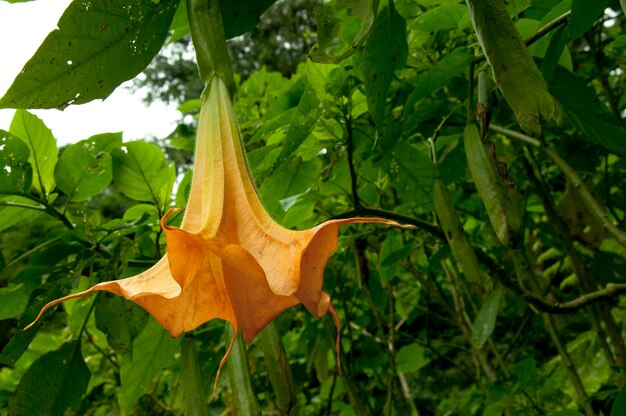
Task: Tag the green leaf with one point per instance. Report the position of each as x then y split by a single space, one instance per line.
120 320
180 25
98 45
40 296
42 146
293 179
241 16
443 17
10 215
584 15
619 404
439 75
554 51
485 322
385 51
85 168
587 112
411 173
567 412
153 350
301 124
16 174
410 359
526 372
14 298
184 187
341 28
53 385
141 172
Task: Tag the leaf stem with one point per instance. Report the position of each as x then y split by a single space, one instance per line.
43 206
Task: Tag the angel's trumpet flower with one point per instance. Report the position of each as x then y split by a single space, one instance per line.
229 259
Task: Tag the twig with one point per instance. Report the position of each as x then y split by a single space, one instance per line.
433 229
350 152
559 308
549 27
572 176
585 195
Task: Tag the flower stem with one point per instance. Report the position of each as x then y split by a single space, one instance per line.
194 398
239 376
207 34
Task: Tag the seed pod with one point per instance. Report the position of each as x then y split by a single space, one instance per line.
462 250
501 201
483 108
513 68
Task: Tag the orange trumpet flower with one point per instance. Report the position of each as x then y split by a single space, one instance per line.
229 259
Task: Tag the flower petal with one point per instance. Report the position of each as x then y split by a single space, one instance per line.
313 261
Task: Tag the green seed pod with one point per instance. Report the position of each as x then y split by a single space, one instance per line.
501 201
462 250
513 68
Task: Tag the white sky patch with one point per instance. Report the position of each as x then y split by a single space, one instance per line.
23 27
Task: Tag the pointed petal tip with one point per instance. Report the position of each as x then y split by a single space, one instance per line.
225 357
165 217
56 302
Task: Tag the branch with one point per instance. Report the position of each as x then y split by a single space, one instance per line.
559 308
350 151
433 229
574 179
549 27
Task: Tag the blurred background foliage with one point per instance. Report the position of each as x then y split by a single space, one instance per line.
342 132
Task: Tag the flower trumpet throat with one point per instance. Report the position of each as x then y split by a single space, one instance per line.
229 259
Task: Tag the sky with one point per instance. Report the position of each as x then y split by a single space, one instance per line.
23 27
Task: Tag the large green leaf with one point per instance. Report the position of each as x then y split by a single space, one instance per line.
16 174
153 350
341 28
581 104
301 123
140 171
120 320
411 173
85 168
53 385
241 16
285 186
443 17
439 75
385 51
99 44
238 16
584 14
42 146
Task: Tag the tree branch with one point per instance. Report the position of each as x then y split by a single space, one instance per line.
433 229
